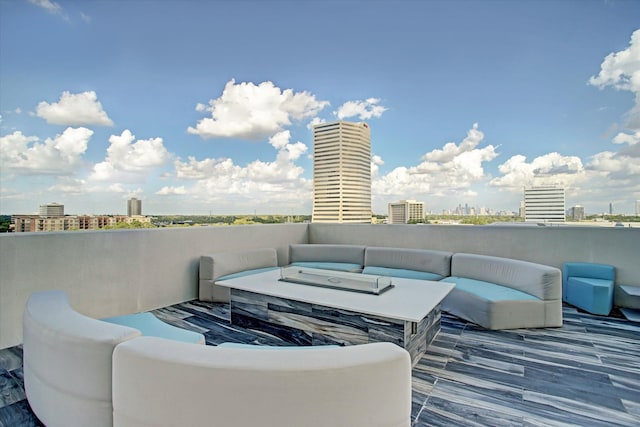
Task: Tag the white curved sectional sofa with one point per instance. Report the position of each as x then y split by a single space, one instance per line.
493 292
165 383
67 362
80 371
503 293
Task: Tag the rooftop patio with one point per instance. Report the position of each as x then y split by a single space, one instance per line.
586 373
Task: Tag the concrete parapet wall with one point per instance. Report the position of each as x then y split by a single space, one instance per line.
110 273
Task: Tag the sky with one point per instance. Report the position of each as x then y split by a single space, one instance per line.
202 107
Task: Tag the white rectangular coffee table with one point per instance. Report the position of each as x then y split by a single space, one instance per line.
408 314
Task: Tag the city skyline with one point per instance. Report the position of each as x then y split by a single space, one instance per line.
208 107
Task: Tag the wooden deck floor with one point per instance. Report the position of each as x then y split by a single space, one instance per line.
586 373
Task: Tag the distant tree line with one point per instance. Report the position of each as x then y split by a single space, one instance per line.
614 218
5 222
172 220
132 224
468 219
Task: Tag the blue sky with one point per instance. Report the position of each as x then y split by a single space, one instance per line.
201 107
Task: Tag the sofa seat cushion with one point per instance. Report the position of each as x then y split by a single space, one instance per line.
601 283
489 291
151 326
246 273
498 307
592 295
338 266
400 272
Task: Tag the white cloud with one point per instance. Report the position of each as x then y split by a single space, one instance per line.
611 175
124 156
250 111
315 121
60 155
280 139
221 181
81 109
621 70
606 177
103 171
113 188
136 156
376 162
68 185
626 138
450 150
51 7
287 152
364 110
615 166
450 170
225 171
206 169
551 168
167 190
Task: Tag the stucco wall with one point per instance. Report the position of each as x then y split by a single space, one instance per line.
108 273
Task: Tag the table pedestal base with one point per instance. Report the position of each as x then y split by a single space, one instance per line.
304 323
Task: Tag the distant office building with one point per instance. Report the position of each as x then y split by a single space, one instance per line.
51 210
405 211
637 207
544 204
341 172
134 207
577 213
610 208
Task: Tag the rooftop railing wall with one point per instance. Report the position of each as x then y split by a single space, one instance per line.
108 273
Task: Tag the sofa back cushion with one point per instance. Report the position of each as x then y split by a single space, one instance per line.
539 280
425 260
221 264
588 269
359 385
350 254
